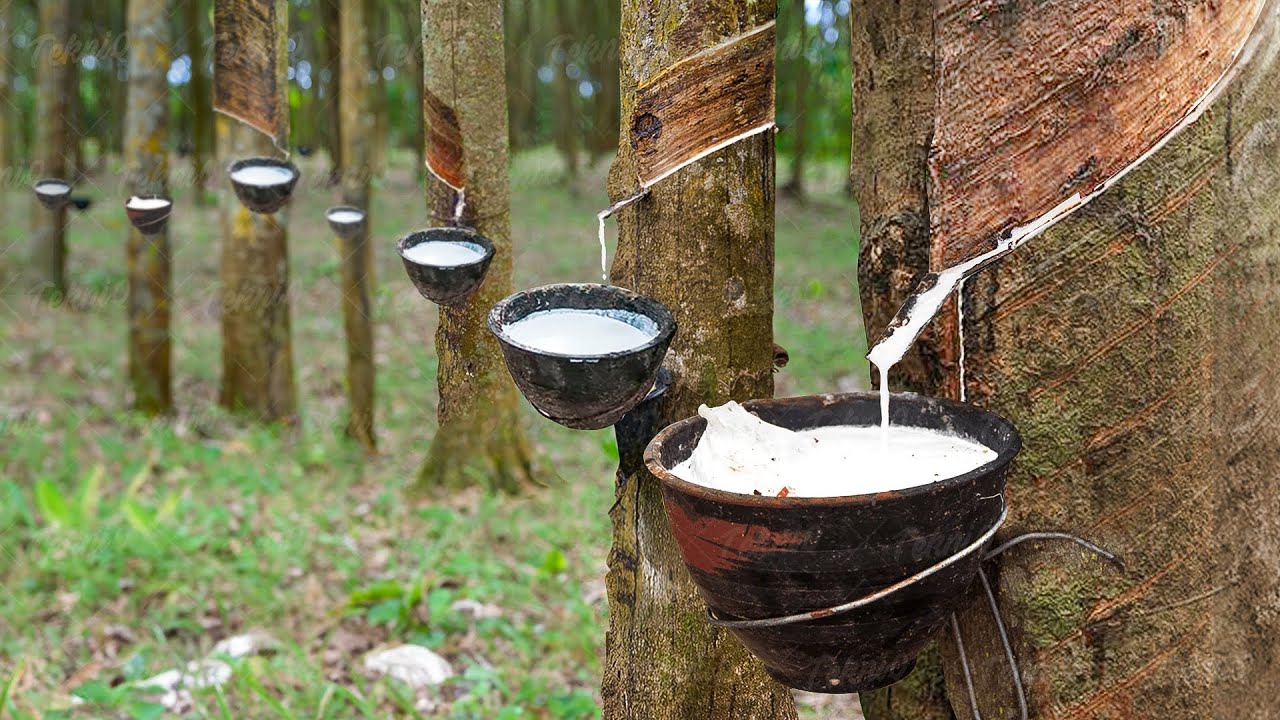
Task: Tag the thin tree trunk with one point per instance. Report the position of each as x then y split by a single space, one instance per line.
201 112
330 18
357 253
663 660
53 115
479 433
257 353
565 88
376 14
147 172
800 72
602 55
1131 344
7 110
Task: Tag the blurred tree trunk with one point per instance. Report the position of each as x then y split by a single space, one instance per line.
257 352
332 49
465 92
8 113
411 20
356 254
800 82
566 114
521 74
147 172
201 110
1131 345
376 15
603 60
53 118
664 661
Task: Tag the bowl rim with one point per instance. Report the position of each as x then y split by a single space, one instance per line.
723 497
260 161
472 237
35 186
328 214
666 322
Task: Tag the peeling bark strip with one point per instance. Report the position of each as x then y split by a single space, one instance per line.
703 103
1038 104
444 141
250 65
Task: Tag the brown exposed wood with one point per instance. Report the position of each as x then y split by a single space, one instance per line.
1131 345
1040 102
702 101
444 140
147 173
250 65
356 253
480 434
53 85
663 660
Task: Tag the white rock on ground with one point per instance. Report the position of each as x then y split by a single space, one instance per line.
414 665
174 685
251 643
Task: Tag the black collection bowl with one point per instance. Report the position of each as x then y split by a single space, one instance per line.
582 392
346 230
447 284
52 193
149 221
263 199
755 557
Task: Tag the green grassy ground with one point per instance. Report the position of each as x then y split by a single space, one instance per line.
128 546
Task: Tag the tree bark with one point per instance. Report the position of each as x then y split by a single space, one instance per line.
356 254
464 95
1131 346
147 172
7 111
565 88
330 18
257 353
53 114
201 112
663 660
800 70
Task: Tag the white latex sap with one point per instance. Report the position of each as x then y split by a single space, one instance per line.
137 203
346 217
741 453
444 254
262 175
582 332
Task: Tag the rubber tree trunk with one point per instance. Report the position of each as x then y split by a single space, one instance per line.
8 114
800 74
566 114
464 98
53 115
330 19
1132 346
356 254
147 172
257 352
201 112
663 660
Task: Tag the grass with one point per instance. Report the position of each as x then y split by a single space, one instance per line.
129 546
